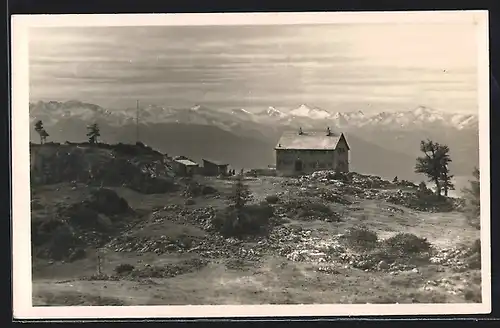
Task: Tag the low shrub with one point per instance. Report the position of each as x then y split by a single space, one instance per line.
361 237
473 295
208 190
77 254
272 199
340 176
474 261
308 209
476 246
332 197
407 243
108 202
249 220
54 239
124 268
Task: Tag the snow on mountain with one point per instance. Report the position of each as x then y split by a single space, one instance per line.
313 113
240 111
421 116
53 111
272 112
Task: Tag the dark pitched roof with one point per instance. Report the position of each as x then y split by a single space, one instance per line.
308 140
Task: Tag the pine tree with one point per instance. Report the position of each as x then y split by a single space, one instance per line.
44 135
446 179
241 193
435 162
39 128
473 200
93 133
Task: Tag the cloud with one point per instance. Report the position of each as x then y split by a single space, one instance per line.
258 66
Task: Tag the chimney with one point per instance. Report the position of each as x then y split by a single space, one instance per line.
300 131
328 132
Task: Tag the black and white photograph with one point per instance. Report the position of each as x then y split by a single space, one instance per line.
215 165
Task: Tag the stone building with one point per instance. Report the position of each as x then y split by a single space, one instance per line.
308 151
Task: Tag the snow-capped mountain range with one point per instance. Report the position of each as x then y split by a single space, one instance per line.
421 116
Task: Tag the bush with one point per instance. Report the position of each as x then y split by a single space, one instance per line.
60 242
81 216
124 268
249 220
361 236
473 295
476 246
308 209
78 254
407 243
108 202
474 261
208 190
340 176
272 199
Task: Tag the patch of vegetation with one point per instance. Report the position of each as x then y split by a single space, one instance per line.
272 199
404 297
169 271
473 201
108 202
423 200
124 268
335 198
78 299
240 219
82 216
360 237
474 261
473 295
77 254
407 243
53 239
340 176
194 188
434 165
249 220
307 209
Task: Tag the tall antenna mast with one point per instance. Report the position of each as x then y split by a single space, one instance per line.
137 123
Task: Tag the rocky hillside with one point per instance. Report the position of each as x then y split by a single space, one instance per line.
135 166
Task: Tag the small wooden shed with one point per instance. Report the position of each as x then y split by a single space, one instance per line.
185 167
214 168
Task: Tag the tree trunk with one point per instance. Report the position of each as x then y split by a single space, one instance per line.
438 187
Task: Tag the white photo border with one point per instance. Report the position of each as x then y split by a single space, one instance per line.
22 279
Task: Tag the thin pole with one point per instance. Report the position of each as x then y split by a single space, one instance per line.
137 123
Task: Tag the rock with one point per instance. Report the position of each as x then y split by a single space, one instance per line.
414 270
382 265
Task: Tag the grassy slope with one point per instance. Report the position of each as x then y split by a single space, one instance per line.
272 278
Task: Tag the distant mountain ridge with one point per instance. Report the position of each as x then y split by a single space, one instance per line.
384 144
421 116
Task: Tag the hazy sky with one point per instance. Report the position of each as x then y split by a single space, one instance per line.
335 67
